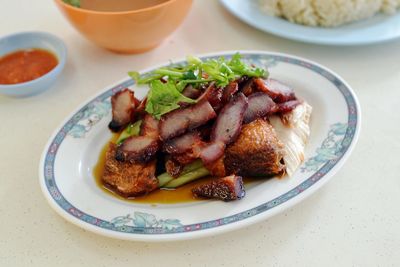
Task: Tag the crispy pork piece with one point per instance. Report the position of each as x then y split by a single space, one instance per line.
227 189
128 179
278 91
123 106
256 152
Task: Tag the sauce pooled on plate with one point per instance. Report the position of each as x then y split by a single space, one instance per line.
181 194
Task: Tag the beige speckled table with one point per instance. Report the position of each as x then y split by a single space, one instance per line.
352 221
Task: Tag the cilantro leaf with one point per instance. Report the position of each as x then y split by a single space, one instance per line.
143 79
240 68
163 98
189 75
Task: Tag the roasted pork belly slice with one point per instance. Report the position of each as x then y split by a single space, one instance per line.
179 121
229 121
278 91
128 179
293 129
227 189
260 105
123 107
137 149
256 152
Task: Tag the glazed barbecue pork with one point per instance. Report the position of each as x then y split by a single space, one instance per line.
222 117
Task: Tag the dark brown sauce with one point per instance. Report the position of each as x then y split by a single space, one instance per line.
182 194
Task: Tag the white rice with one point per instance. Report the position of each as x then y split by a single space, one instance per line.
327 13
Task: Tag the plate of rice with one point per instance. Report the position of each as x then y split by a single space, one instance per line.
329 22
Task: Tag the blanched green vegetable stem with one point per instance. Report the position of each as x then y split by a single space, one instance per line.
187 177
130 130
191 172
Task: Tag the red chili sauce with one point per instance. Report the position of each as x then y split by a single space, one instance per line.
26 65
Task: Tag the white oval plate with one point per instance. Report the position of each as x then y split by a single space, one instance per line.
379 28
68 159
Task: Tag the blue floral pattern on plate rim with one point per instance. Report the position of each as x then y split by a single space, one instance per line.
177 227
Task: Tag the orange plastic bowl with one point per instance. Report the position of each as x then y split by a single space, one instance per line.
133 31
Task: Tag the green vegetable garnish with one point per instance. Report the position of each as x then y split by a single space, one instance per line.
75 3
130 130
188 170
187 177
241 69
165 96
164 178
